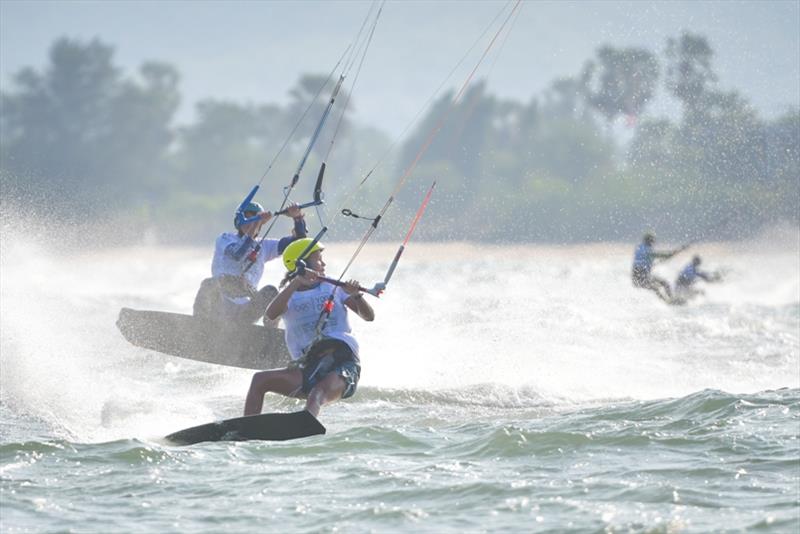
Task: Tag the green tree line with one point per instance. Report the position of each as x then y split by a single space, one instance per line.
83 140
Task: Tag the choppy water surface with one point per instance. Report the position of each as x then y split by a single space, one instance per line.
525 388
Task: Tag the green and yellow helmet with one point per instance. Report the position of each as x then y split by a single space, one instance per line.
292 253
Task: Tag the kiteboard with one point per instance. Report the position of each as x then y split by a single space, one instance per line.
267 426
248 346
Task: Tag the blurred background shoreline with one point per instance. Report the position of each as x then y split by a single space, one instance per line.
591 157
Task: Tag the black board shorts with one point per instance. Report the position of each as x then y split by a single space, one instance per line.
640 278
331 356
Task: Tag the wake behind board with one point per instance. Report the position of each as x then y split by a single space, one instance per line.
267 426
186 336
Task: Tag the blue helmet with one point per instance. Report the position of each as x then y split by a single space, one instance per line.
250 207
255 207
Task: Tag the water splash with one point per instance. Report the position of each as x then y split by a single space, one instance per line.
479 324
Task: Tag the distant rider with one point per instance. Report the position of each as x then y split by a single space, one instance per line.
232 294
326 363
643 260
688 277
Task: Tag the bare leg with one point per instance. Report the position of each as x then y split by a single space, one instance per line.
653 286
284 381
659 287
328 389
663 295
665 285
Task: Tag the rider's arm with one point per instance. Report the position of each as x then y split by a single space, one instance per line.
677 250
300 231
668 253
279 304
708 277
356 301
239 250
247 235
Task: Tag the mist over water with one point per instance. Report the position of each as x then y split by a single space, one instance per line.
530 323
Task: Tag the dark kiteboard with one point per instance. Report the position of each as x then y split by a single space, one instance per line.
186 336
268 426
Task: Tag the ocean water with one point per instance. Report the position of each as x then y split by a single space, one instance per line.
504 389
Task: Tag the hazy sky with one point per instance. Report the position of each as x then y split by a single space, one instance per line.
255 50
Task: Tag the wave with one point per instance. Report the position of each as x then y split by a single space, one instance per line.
404 418
485 395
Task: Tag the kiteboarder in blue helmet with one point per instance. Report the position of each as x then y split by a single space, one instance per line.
643 260
232 294
684 284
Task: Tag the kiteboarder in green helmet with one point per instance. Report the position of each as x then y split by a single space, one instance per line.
325 352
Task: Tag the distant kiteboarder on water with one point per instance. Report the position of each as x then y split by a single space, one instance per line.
231 295
688 277
643 260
